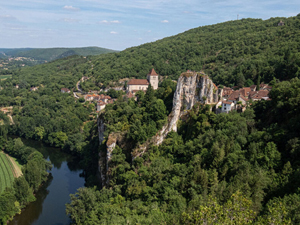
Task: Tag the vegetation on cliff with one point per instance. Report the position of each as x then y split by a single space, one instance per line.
236 166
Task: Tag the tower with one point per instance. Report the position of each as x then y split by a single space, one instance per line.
152 78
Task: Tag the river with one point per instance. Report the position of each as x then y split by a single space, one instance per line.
65 179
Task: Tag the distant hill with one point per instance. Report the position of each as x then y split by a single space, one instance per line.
49 54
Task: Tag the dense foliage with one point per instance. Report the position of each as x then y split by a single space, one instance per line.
230 53
244 165
34 169
240 167
47 114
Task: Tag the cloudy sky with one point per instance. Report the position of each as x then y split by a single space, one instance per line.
119 24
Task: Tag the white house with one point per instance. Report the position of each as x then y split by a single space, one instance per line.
227 106
100 105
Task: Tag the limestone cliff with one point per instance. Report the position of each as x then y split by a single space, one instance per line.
105 154
192 87
102 154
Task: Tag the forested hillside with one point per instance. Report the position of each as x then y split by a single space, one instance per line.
236 168
229 53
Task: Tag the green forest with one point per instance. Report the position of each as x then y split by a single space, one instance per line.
236 168
239 168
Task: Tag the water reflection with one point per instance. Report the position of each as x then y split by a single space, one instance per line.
49 208
31 213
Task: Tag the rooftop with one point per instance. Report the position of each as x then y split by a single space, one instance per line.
152 73
138 82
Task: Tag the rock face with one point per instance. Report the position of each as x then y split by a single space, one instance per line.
102 155
105 156
192 87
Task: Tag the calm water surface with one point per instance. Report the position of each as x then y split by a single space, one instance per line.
49 208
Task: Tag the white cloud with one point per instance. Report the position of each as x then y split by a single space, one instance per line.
104 21
109 22
165 21
69 20
70 8
113 32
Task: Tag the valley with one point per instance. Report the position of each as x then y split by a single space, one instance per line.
198 128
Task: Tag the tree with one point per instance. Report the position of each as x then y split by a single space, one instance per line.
237 210
22 190
39 132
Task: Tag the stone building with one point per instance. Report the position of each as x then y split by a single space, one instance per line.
152 77
135 85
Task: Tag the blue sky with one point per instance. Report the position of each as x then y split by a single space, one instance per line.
119 24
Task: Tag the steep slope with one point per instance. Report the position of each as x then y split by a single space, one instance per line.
229 52
192 88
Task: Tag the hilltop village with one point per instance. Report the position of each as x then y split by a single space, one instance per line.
133 86
234 98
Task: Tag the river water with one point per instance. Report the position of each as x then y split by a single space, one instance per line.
65 179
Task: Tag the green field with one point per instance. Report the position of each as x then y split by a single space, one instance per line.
6 172
2 77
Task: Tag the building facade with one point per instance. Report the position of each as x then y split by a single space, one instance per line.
135 85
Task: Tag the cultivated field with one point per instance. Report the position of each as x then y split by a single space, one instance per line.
8 170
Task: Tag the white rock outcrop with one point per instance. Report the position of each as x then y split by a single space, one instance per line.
192 87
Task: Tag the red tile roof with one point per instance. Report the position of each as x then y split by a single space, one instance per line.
228 103
227 91
260 94
234 96
101 103
245 91
152 73
138 82
65 89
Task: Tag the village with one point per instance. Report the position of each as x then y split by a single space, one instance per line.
234 98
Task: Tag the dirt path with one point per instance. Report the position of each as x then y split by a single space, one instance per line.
17 169
7 111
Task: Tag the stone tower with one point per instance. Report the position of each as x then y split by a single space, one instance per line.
152 78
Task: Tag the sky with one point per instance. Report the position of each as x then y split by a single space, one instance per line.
120 24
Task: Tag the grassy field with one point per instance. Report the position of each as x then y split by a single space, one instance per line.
3 77
7 172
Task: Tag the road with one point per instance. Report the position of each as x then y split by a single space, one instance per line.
78 86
